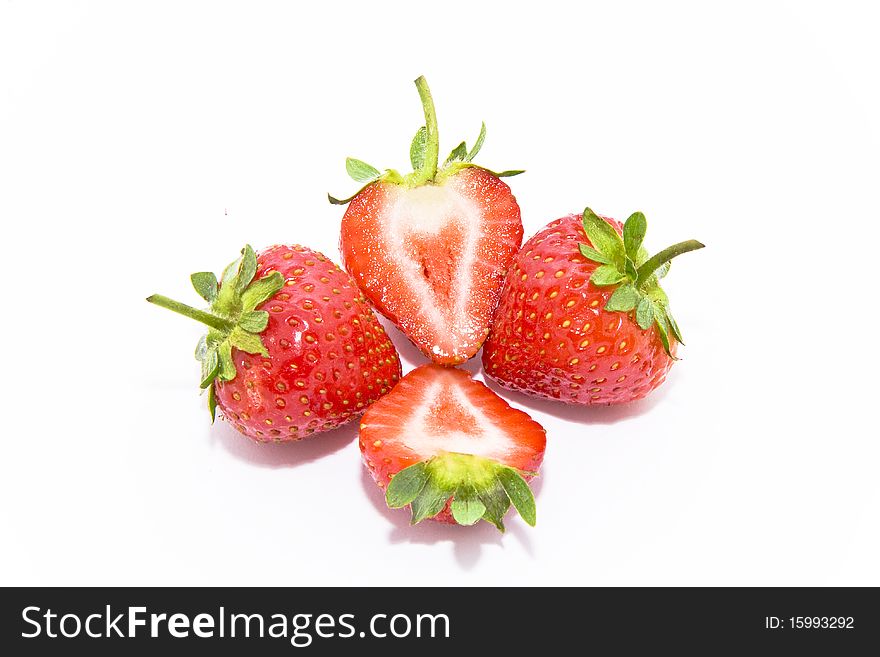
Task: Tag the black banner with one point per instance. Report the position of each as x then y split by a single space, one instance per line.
114 621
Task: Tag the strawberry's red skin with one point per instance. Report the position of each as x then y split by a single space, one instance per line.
551 336
368 257
329 358
385 458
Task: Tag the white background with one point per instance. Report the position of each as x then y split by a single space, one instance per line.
142 141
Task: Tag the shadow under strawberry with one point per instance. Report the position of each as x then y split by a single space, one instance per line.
285 454
610 414
467 541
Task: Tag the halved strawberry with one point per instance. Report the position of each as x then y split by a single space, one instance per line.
452 449
430 249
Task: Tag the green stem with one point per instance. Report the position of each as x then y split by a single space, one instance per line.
432 148
193 313
653 263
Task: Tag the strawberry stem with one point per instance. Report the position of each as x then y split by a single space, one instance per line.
652 264
193 313
428 170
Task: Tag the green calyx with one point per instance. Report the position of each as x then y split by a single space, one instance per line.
480 489
424 155
625 264
231 317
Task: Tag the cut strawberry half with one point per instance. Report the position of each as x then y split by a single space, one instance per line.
430 249
452 449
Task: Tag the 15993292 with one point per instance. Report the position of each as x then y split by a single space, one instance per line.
810 622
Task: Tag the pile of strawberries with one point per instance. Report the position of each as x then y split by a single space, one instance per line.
576 314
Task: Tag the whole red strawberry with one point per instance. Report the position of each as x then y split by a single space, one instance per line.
430 248
582 317
452 449
292 347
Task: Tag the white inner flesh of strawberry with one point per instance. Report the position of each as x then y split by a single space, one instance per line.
426 211
485 439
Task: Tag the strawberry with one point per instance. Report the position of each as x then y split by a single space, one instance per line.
452 449
582 317
292 347
430 248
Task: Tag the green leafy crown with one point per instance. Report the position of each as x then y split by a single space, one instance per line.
231 317
625 263
424 153
480 488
